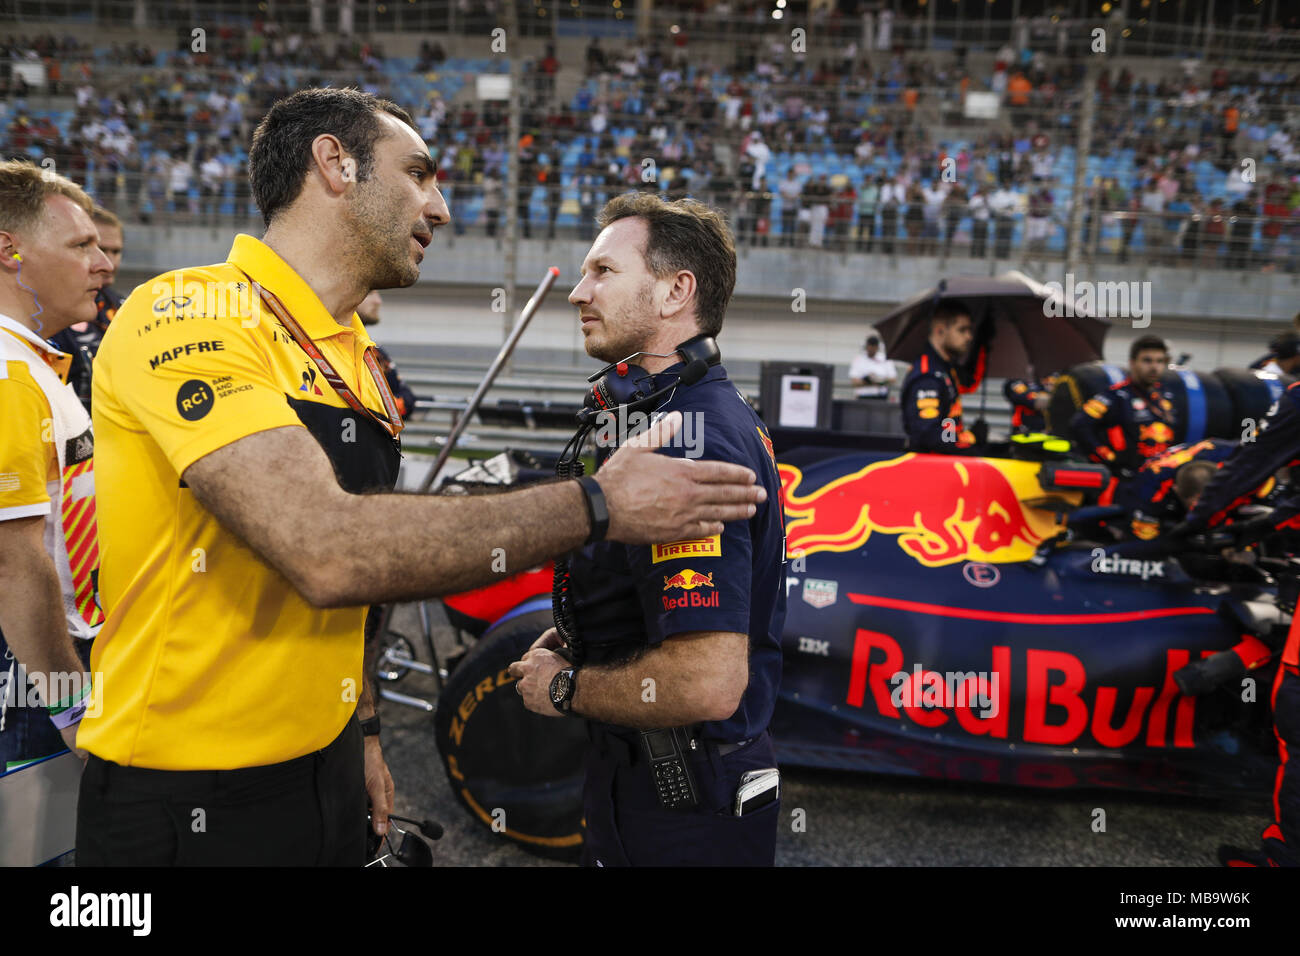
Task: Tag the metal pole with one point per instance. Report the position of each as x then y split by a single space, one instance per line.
1209 29
526 316
1082 147
512 163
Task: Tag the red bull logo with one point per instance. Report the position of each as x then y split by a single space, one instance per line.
1059 706
688 580
1156 437
943 510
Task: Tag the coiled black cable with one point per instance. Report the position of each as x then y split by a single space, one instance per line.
569 465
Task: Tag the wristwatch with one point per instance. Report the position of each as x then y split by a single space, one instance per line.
370 726
563 684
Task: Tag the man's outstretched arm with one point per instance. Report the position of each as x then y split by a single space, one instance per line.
271 486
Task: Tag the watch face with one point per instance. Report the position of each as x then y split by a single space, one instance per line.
560 689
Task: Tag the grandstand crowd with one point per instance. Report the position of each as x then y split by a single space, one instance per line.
1191 161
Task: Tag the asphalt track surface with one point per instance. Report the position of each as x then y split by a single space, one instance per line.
867 820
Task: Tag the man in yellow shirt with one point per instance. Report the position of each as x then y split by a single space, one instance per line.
245 431
51 268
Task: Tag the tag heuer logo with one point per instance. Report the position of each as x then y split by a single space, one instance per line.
820 593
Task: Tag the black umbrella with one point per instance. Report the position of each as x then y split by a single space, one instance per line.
1023 322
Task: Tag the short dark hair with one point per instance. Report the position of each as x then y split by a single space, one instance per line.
1190 480
1285 346
1147 343
684 234
945 312
280 156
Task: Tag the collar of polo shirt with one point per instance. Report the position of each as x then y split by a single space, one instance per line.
260 262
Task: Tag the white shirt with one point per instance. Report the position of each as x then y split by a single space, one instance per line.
180 176
866 367
891 194
1004 202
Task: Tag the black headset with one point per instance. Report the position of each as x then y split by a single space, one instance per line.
622 387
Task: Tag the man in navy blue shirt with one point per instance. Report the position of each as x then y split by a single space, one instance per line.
684 635
930 396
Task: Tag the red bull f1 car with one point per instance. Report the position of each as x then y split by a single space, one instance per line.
948 617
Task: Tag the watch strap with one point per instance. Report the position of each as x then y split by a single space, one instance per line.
370 726
597 510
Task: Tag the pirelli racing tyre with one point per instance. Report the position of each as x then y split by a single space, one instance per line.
517 773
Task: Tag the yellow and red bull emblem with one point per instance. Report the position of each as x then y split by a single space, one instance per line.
688 580
1157 433
942 509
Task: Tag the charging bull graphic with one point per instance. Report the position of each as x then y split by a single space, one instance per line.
688 580
943 509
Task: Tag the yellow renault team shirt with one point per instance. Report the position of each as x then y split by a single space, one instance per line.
210 659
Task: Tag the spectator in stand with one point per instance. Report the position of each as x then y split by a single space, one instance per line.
212 178
1038 224
932 199
180 173
954 210
790 192
1241 227
492 192
868 199
1131 212
554 194
1004 205
588 202
1178 212
818 196
979 223
1276 211
914 219
841 218
892 197
524 201
1193 229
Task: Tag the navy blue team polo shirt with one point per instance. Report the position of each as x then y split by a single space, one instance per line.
628 597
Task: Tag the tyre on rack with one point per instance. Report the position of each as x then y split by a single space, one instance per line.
518 773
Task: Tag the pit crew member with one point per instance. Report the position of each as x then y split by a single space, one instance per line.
1133 420
930 396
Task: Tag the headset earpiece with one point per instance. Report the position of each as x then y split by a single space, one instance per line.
17 257
625 388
